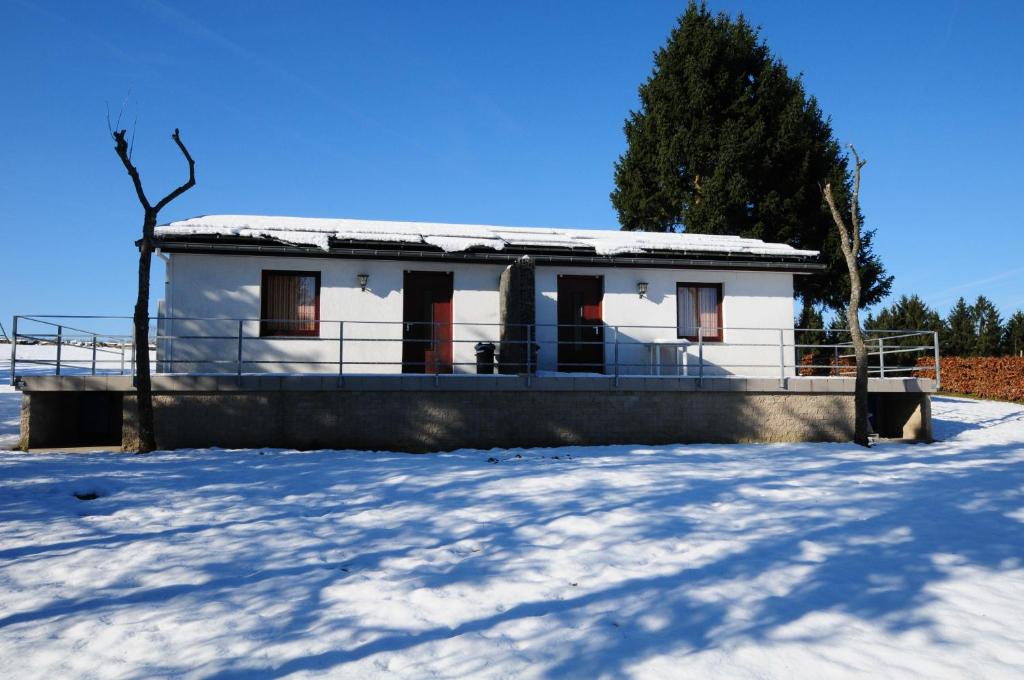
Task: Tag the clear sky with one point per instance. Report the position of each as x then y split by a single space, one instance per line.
501 113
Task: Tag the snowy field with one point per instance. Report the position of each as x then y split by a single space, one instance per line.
805 561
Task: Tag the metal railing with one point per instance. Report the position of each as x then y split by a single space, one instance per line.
243 346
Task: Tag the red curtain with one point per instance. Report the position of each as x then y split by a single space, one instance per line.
289 304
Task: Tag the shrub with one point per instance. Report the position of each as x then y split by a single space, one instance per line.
988 377
826 364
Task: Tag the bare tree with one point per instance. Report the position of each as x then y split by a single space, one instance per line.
143 383
849 240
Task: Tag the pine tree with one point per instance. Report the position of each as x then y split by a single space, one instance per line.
810 319
726 141
958 338
837 331
907 313
1013 335
812 332
989 328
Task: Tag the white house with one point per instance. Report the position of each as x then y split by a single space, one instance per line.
284 294
303 333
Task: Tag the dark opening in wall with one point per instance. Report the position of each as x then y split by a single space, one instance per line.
75 419
901 415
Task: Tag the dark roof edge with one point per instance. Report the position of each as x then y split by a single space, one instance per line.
271 248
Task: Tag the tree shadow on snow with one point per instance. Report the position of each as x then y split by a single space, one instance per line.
947 427
819 528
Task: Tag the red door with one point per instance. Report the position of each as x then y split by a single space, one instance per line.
427 322
580 326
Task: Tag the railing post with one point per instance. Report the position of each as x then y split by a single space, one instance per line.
616 329
881 358
835 362
782 358
700 356
122 356
93 353
435 343
341 347
938 364
240 325
60 342
131 360
529 354
14 351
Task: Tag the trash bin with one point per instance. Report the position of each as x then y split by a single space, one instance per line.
484 357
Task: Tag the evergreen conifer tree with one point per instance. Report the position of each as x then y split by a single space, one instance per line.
837 332
812 327
1013 335
907 313
989 328
811 319
959 330
726 141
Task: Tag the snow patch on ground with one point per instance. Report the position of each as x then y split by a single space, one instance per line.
774 561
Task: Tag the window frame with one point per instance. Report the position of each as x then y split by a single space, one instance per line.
720 334
276 333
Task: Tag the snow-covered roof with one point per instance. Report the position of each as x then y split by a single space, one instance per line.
319 232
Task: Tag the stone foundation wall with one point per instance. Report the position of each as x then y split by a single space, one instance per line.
441 421
427 413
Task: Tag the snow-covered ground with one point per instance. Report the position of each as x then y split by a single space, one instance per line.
646 561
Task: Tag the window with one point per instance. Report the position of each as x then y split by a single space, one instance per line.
290 303
699 306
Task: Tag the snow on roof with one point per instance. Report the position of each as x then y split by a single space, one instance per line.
318 232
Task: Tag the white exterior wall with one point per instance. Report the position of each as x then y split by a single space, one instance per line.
761 301
228 287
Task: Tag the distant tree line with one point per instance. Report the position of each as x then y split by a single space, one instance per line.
969 330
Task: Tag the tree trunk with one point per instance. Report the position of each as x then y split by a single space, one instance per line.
861 427
143 382
849 241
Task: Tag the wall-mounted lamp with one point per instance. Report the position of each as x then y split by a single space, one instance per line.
363 280
641 289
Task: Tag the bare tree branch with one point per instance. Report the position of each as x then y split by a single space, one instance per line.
121 147
135 126
191 174
855 204
124 103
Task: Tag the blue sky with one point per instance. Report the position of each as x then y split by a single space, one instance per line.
500 113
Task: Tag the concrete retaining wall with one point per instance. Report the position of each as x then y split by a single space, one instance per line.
413 413
441 421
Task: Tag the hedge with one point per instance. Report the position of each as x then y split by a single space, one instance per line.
987 377
825 363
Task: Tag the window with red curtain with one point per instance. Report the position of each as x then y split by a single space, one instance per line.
699 311
290 303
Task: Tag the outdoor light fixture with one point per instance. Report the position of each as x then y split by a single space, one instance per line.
363 280
641 289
